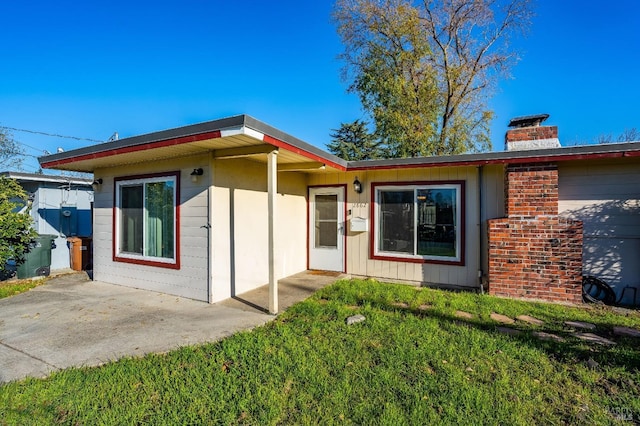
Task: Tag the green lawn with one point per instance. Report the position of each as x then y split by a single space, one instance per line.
11 288
408 364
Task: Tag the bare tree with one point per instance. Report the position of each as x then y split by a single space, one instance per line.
11 154
424 70
628 135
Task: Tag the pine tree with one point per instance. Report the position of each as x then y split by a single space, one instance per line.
353 142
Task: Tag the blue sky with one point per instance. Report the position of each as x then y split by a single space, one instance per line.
89 69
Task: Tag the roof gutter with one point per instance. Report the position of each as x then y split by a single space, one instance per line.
491 158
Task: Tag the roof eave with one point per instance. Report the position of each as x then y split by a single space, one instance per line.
626 149
241 124
247 125
32 177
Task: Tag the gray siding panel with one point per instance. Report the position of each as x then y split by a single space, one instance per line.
492 205
190 280
605 195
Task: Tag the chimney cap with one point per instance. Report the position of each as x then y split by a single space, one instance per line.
528 120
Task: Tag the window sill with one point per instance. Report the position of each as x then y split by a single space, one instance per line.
146 262
392 258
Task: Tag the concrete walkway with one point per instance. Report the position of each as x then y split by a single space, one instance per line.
291 290
72 321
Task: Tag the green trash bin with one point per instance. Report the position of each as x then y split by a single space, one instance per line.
37 262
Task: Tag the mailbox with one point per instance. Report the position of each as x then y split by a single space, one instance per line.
358 224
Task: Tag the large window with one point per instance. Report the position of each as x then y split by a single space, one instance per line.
146 220
419 222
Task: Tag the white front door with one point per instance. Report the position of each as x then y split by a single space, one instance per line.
326 228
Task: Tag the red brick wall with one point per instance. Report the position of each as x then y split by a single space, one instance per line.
533 252
533 133
531 190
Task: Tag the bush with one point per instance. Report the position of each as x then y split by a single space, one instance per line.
16 232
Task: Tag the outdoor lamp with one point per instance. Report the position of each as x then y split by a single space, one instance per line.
357 186
96 184
195 173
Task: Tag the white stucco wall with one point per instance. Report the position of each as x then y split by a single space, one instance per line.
240 245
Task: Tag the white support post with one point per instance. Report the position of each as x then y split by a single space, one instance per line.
272 188
210 235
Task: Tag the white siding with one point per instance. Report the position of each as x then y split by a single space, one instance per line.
358 243
190 280
605 195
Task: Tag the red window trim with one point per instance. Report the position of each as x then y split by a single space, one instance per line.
115 257
372 215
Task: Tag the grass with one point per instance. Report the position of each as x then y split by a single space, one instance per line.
405 364
11 288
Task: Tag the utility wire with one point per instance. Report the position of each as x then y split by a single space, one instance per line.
50 134
28 146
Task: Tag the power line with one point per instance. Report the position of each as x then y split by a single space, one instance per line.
28 146
29 166
50 134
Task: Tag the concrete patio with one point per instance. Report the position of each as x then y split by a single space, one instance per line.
72 321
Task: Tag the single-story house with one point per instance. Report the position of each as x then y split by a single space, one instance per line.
60 206
212 210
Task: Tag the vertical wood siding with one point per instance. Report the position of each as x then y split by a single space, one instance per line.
605 195
492 205
358 259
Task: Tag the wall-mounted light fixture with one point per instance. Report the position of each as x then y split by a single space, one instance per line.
357 186
195 174
96 184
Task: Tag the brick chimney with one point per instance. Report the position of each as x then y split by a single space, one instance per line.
527 133
533 252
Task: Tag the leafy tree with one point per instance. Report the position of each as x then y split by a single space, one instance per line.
16 233
424 70
11 154
353 142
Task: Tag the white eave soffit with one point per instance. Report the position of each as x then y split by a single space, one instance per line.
241 130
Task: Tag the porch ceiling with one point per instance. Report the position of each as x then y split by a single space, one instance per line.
202 147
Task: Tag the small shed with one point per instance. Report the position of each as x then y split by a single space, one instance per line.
59 205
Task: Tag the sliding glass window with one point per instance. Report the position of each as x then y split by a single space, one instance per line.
419 221
146 219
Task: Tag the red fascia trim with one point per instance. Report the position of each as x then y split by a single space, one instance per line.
344 242
572 157
539 159
114 255
426 165
142 147
463 247
280 144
